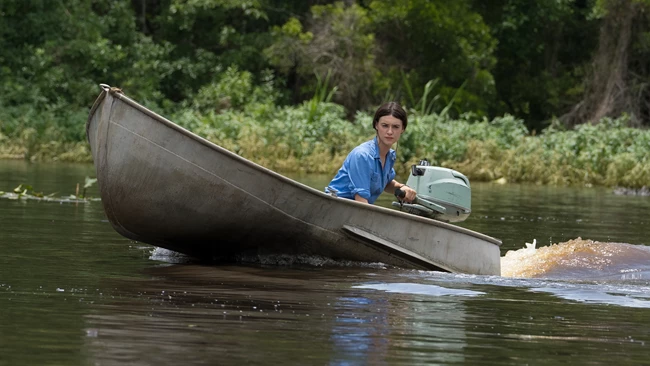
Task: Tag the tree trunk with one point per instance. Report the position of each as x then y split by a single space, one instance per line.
607 93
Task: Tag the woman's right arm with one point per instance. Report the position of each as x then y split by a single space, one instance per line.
360 171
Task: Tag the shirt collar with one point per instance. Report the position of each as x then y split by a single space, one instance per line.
391 153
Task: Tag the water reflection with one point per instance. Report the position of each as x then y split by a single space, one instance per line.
419 289
356 316
190 313
434 323
357 334
597 296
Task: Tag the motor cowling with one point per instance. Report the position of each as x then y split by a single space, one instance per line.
442 194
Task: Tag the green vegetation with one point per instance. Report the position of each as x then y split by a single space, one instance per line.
27 192
606 154
544 92
287 139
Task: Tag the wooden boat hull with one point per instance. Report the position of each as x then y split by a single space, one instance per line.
162 185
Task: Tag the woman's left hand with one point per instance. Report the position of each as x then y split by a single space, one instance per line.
410 193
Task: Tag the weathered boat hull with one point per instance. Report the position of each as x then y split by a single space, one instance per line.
160 184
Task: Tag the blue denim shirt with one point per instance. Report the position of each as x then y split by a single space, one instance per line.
362 173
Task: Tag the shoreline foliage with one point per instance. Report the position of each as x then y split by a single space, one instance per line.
315 137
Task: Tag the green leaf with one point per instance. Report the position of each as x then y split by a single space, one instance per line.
90 182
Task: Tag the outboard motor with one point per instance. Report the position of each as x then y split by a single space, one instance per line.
442 194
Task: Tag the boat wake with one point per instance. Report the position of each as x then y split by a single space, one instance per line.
579 259
304 259
576 260
170 256
419 289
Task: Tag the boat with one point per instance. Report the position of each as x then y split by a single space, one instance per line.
163 185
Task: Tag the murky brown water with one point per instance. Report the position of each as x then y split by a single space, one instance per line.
72 291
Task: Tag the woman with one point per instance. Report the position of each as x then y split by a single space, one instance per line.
368 169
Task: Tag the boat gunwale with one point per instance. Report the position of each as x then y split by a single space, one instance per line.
117 93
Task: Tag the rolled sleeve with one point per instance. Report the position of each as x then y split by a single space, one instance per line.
360 171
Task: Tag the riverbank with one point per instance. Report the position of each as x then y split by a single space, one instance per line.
316 139
73 152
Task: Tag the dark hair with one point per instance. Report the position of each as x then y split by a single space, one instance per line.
390 109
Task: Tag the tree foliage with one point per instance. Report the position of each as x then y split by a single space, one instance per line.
544 48
423 40
607 87
339 42
576 59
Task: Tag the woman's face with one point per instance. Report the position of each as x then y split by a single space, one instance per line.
389 129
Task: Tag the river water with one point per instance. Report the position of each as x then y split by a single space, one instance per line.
74 292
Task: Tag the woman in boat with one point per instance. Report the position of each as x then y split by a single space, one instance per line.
368 169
